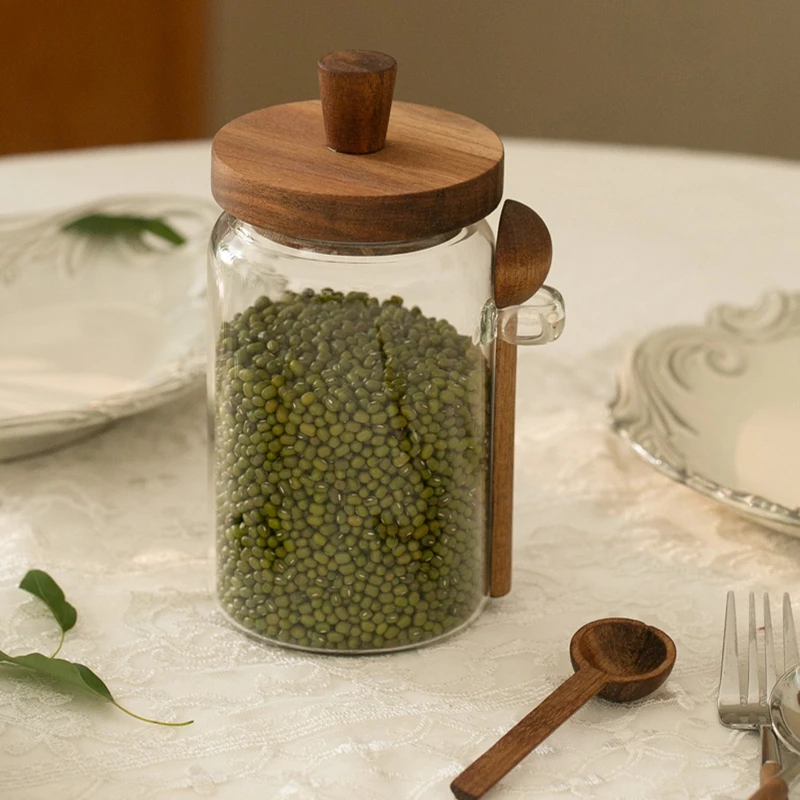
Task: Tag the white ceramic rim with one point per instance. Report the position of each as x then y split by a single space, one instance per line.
639 424
190 366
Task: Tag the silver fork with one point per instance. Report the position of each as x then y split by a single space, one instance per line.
743 697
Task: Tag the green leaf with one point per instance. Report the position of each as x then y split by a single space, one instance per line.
160 228
122 225
61 670
41 585
76 675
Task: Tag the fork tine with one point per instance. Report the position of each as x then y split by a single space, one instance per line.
730 689
753 692
791 658
770 674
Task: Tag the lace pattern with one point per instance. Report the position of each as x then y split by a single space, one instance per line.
120 521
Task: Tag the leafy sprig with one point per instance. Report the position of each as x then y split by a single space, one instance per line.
41 585
107 226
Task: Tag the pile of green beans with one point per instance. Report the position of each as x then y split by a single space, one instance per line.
350 447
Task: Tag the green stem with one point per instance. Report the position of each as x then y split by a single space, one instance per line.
153 721
60 644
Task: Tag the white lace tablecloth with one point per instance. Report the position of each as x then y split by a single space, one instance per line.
643 238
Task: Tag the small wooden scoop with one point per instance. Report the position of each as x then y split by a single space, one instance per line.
619 659
522 260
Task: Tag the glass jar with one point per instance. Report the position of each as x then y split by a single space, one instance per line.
352 405
350 400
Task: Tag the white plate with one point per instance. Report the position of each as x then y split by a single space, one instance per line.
92 328
717 407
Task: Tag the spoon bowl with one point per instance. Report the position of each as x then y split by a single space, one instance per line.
784 707
636 658
523 255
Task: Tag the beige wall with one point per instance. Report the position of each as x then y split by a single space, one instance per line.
705 74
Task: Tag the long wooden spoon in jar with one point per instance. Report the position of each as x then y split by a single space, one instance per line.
522 260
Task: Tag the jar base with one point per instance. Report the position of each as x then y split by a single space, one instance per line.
328 651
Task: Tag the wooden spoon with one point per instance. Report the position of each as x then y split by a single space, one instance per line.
619 659
522 259
772 789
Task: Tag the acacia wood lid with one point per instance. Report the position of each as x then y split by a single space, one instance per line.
321 170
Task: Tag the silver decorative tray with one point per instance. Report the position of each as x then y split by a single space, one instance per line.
95 326
717 407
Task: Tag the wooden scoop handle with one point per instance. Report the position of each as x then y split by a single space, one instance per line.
774 789
505 401
527 734
769 770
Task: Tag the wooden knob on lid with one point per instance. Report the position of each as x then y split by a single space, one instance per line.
356 88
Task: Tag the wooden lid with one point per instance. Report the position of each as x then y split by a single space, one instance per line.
437 171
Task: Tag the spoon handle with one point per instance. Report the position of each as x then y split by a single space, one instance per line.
505 391
527 734
775 789
769 769
775 785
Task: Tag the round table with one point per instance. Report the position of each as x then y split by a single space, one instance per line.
643 238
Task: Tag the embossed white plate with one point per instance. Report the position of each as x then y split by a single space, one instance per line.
717 407
95 328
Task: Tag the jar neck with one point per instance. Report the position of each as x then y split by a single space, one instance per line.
352 248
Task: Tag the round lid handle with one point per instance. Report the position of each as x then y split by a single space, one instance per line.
356 88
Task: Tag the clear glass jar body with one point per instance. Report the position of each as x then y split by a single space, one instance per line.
349 405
